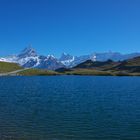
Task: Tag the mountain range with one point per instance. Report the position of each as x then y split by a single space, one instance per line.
130 65
29 58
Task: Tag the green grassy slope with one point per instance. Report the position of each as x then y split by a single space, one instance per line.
87 72
89 64
133 62
98 72
8 67
131 66
33 72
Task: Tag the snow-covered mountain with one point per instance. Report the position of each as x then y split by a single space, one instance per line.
67 59
12 58
30 59
49 62
28 52
71 61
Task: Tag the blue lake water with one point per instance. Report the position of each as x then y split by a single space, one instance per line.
70 108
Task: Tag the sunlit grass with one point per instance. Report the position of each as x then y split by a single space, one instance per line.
8 67
32 72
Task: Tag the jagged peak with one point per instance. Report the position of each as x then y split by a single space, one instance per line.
65 57
28 48
29 51
51 56
65 54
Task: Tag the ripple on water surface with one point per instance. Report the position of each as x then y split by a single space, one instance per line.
70 108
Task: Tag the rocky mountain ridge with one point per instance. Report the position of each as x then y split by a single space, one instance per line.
29 58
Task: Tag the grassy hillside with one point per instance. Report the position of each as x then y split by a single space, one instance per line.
8 67
127 67
133 62
131 66
98 72
33 72
89 64
87 72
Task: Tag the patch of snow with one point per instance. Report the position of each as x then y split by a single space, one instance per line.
68 62
11 59
23 61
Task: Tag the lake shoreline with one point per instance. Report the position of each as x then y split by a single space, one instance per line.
16 75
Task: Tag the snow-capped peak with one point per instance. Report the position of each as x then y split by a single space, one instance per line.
29 58
51 56
66 59
28 52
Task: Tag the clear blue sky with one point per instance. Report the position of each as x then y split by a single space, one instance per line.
72 26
